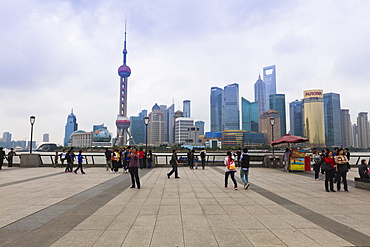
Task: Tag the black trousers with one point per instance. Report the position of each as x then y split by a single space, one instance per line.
329 179
134 172
79 167
342 175
203 163
69 166
232 174
115 165
174 170
316 168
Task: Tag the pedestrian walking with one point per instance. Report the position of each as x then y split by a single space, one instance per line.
79 161
244 169
108 161
149 157
10 156
133 168
230 169
70 157
141 158
174 163
238 155
203 155
2 157
115 160
328 167
286 157
56 158
62 157
317 162
342 168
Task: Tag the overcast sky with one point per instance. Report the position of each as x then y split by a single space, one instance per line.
57 55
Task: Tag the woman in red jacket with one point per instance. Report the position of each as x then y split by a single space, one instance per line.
329 174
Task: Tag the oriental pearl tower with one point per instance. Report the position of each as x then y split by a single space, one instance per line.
123 122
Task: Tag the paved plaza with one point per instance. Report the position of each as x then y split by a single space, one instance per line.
47 207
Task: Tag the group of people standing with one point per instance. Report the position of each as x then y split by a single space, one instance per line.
131 160
8 157
335 165
192 158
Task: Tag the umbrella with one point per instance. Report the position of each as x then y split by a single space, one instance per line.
288 138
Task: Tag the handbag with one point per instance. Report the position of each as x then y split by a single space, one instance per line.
232 165
342 167
326 167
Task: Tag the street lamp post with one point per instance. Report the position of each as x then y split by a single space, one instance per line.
32 121
272 122
146 122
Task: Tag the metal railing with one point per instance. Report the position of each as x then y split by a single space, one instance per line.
257 159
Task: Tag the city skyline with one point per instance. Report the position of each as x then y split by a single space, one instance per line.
61 55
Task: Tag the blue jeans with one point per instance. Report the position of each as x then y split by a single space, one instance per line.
244 175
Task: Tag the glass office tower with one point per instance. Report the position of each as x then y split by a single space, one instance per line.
345 119
277 103
217 96
71 126
269 78
313 116
363 130
231 107
333 126
260 95
296 118
249 115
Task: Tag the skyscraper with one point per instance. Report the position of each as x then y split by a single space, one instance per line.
363 130
296 118
269 78
200 125
217 96
181 129
186 108
231 107
45 137
71 126
313 116
266 128
277 103
123 122
260 95
333 127
345 119
355 135
169 119
249 115
137 128
156 126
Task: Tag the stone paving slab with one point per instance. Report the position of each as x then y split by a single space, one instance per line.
47 207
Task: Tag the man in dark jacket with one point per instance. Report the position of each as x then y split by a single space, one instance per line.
108 160
174 162
244 167
2 157
363 169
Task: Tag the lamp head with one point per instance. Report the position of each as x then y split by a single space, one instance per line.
146 120
32 120
272 121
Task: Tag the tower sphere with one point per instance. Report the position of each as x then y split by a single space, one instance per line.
122 122
124 71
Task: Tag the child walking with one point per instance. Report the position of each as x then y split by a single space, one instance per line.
79 160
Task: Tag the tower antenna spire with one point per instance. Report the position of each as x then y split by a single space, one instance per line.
124 46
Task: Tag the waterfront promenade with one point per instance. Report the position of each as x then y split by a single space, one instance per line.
44 206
